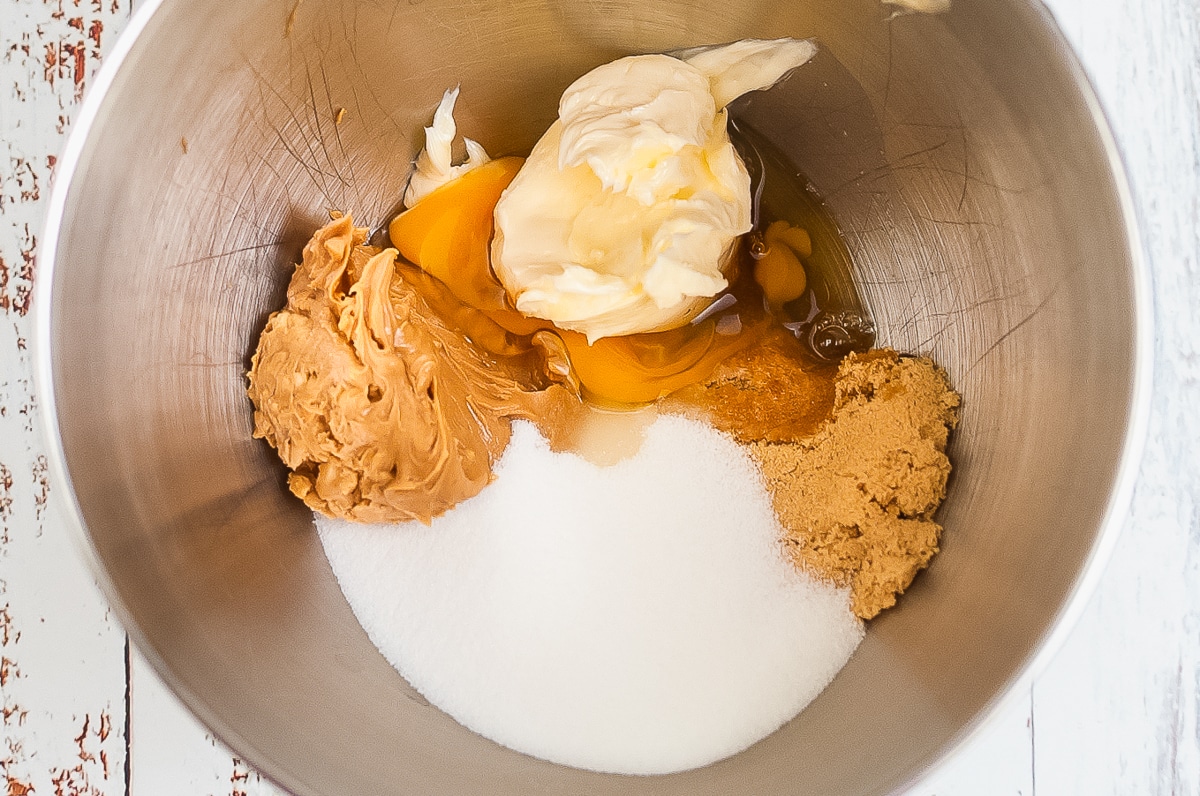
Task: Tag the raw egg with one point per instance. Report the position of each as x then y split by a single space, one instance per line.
447 235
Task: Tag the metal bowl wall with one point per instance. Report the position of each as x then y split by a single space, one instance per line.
962 155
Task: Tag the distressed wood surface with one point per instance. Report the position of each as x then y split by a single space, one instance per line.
62 658
1115 712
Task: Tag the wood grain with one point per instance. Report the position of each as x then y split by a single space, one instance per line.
1115 713
172 753
62 671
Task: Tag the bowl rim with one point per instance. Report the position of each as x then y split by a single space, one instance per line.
1112 520
1120 498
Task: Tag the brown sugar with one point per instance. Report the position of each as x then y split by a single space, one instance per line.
857 498
854 459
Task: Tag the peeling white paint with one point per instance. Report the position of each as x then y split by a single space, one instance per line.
1115 713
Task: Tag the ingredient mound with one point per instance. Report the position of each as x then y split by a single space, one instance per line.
855 460
638 618
637 592
382 412
858 497
625 217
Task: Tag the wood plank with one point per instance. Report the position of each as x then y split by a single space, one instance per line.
171 752
63 676
996 761
1117 711
62 662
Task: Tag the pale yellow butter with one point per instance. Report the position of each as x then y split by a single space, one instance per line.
625 215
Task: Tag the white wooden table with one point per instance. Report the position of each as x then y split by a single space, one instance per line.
1117 712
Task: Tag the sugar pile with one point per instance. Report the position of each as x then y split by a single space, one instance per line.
638 618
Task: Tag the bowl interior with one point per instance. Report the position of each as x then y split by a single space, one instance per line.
959 155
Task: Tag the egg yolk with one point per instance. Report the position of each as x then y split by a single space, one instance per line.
447 235
641 368
779 271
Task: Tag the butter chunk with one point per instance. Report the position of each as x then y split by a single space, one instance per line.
626 215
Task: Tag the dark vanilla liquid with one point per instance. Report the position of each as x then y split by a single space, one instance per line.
830 318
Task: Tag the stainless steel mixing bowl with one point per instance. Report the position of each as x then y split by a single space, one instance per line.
963 155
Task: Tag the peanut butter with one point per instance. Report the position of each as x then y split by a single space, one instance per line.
382 413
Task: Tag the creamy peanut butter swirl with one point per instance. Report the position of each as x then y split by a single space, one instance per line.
382 413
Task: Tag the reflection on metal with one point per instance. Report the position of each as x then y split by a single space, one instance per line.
919 6
965 163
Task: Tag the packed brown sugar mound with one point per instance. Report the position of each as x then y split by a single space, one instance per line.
854 458
857 498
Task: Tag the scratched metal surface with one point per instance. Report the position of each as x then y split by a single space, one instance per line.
1117 713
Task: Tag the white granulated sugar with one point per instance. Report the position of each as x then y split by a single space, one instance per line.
637 618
